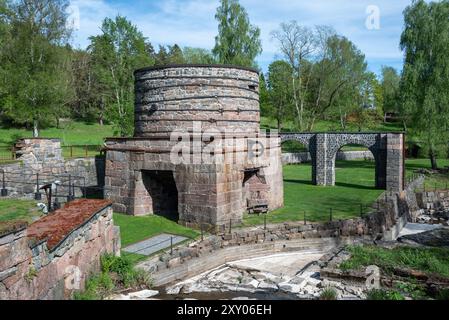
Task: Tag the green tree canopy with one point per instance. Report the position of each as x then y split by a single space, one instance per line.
238 42
280 91
390 89
35 61
425 77
116 54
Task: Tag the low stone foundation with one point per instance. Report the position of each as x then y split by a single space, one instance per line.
41 160
305 157
51 258
386 223
433 200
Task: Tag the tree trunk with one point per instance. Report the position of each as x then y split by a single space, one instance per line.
35 129
433 158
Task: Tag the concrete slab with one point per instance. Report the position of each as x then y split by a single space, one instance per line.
415 228
285 264
154 244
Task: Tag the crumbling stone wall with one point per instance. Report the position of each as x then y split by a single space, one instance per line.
433 200
186 260
387 149
40 262
44 157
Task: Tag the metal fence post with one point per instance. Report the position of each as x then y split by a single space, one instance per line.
38 195
265 222
305 220
171 245
71 151
230 226
4 191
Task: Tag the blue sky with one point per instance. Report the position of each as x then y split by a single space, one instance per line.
192 23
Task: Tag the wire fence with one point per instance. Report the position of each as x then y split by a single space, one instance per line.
81 151
64 187
7 153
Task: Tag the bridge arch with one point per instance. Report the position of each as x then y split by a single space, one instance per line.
387 149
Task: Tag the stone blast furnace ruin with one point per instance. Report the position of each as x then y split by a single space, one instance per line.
198 155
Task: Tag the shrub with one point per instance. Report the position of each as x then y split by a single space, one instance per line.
328 294
97 287
116 272
443 294
380 294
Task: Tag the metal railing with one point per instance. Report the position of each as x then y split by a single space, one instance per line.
81 151
7 153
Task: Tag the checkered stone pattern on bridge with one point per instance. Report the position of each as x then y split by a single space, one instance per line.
387 149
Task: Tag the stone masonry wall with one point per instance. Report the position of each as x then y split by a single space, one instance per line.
394 207
387 149
44 157
304 157
35 269
433 200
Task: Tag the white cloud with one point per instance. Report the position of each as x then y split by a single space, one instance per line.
192 23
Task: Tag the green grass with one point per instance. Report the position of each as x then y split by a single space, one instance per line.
70 133
428 260
135 229
354 186
13 209
434 181
117 273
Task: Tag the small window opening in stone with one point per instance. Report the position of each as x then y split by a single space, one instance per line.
252 87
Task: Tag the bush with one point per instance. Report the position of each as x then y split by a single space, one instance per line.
116 273
328 294
380 294
428 260
443 294
97 287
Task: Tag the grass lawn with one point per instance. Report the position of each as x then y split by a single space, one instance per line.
354 187
70 133
428 260
12 209
135 229
434 181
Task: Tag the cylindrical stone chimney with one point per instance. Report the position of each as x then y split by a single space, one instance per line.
170 98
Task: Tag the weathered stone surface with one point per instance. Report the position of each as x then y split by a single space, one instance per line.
216 180
433 238
43 270
44 157
386 149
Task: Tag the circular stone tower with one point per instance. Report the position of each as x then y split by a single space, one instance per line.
172 98
198 155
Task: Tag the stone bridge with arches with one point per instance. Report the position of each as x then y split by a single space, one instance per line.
387 149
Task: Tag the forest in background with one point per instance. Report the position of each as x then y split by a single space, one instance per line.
321 77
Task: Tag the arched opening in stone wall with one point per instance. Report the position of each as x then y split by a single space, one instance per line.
255 191
295 152
163 193
355 167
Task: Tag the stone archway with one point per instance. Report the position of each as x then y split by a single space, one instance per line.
387 148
